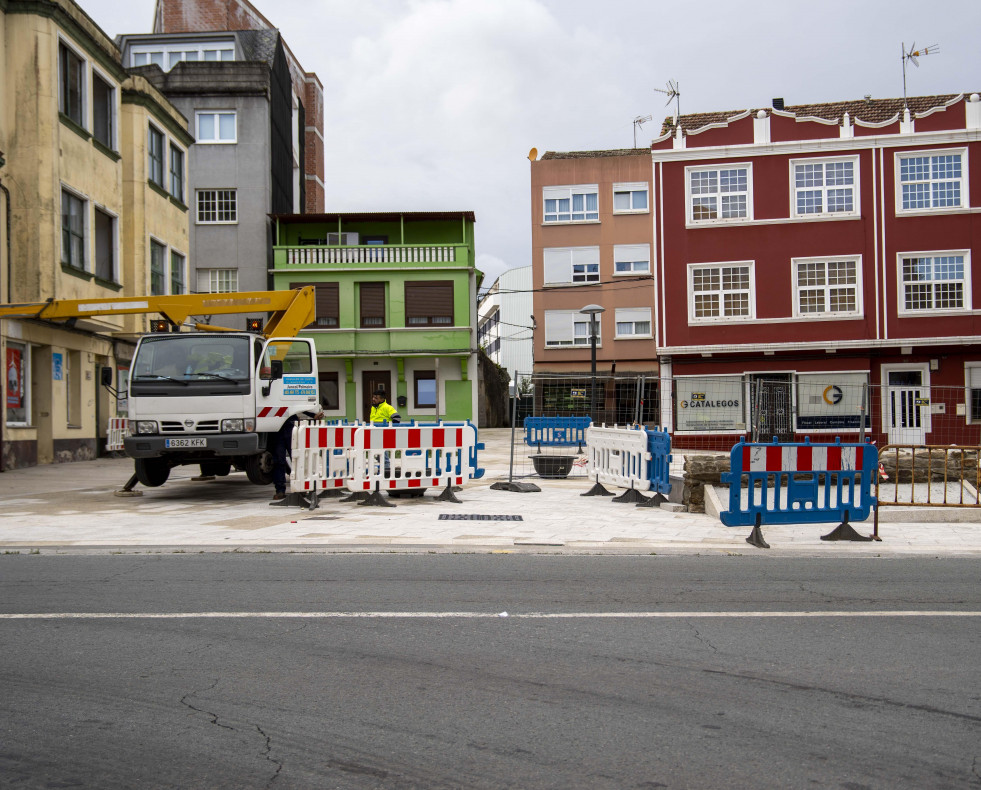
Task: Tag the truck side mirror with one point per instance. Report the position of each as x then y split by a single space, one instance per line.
277 369
105 375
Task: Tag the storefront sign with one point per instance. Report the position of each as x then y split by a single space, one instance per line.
710 404
57 367
831 401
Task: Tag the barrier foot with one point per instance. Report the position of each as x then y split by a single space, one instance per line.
630 496
654 501
598 490
127 490
332 493
448 495
756 536
845 531
291 500
376 499
522 488
357 496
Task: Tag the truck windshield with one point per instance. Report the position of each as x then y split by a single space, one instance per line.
189 357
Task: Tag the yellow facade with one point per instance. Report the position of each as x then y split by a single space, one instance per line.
81 212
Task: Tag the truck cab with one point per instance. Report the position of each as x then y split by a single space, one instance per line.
215 399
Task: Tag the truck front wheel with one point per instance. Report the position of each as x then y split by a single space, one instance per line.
152 472
259 467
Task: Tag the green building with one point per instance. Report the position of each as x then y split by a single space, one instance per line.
396 308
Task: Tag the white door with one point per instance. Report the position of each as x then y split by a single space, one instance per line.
906 406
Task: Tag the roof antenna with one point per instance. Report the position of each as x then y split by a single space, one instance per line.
640 120
673 94
912 56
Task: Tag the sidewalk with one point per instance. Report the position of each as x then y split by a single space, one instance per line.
69 508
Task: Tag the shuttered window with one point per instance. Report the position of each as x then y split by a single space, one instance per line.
429 303
328 304
372 305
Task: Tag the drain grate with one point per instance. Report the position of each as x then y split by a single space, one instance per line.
476 517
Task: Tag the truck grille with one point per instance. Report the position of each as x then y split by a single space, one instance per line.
207 426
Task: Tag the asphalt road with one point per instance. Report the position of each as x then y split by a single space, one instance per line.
399 671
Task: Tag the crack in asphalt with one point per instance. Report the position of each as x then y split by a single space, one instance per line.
700 638
265 755
214 716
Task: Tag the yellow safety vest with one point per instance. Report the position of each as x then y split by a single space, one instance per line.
382 412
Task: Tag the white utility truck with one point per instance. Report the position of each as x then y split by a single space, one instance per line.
212 396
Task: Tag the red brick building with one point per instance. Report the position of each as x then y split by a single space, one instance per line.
824 249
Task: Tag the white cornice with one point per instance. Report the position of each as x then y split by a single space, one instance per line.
820 345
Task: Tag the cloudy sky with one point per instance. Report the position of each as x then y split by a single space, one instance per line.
434 104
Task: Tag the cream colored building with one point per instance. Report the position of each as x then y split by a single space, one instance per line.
92 158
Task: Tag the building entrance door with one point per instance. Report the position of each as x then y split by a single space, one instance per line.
906 411
372 380
771 402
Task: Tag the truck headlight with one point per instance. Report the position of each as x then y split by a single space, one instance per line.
146 426
237 425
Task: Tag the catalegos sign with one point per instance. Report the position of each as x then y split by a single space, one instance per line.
710 404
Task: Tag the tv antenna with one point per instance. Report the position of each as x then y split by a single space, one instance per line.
674 95
640 120
912 56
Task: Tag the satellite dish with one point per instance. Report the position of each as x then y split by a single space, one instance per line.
533 155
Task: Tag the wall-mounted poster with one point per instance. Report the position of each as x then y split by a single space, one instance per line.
57 367
15 378
710 403
831 401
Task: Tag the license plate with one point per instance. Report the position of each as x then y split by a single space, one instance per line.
177 443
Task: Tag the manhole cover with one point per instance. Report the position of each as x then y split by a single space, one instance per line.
476 517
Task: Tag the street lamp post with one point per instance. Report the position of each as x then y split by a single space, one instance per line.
592 310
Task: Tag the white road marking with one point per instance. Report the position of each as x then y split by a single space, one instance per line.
469 615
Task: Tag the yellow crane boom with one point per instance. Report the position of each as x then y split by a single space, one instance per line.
291 310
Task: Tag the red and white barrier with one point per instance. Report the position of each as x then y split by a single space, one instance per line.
405 457
321 457
801 458
115 433
618 456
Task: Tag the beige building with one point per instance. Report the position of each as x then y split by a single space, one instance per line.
93 164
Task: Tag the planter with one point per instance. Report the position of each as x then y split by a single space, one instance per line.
553 465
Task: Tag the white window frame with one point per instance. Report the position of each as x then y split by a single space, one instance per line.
722 319
560 265
86 262
930 153
162 183
183 270
969 369
209 280
115 242
632 189
165 264
224 49
569 192
560 329
796 263
84 119
633 254
25 384
217 139
823 188
171 148
113 143
217 212
690 196
932 310
633 316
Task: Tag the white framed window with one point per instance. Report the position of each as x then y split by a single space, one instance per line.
71 84
158 268
217 206
17 383
631 259
177 172
719 194
74 229
632 322
972 379
105 245
155 156
168 56
931 282
630 198
571 203
721 292
827 287
570 328
931 180
217 281
824 187
103 110
564 265
178 275
216 126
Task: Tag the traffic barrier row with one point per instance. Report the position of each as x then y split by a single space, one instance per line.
800 483
115 433
375 458
556 431
631 457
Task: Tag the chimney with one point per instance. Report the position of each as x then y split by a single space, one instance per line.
778 104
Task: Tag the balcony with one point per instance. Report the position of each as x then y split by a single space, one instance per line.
372 255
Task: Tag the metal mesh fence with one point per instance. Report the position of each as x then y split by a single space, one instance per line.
711 414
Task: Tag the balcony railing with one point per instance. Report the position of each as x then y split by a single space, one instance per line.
370 253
